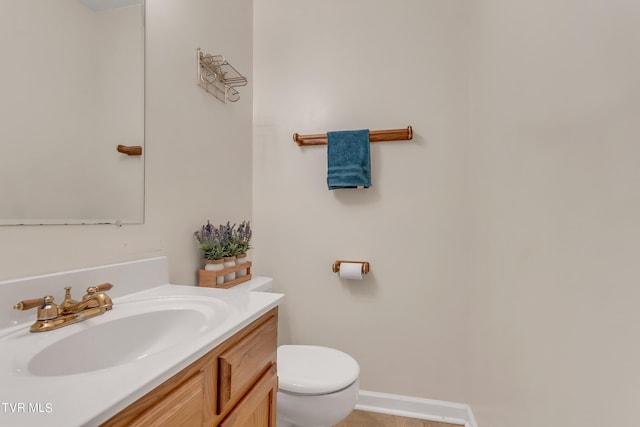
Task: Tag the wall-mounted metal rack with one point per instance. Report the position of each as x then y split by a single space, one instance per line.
218 77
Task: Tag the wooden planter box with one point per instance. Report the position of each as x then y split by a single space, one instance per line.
209 278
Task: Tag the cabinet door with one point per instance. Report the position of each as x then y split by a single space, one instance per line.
240 365
258 407
182 407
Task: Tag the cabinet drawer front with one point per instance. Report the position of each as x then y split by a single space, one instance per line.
241 365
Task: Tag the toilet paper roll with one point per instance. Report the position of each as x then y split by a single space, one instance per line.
351 270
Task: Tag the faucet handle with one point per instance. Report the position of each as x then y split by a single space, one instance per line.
30 303
47 310
99 288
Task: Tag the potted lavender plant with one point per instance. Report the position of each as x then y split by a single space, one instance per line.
242 237
211 249
229 248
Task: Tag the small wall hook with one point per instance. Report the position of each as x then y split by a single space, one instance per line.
130 150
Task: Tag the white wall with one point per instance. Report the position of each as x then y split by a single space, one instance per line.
332 65
198 153
555 101
503 240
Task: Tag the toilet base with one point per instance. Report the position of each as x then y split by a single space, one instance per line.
324 410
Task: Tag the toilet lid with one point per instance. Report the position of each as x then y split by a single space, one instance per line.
308 369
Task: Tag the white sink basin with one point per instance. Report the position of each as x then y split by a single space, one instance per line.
130 332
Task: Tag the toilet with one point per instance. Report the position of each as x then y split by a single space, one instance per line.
317 386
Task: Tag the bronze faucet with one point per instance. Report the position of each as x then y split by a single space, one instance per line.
52 316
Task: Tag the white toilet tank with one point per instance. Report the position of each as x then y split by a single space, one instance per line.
261 284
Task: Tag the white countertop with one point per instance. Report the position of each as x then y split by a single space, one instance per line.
90 398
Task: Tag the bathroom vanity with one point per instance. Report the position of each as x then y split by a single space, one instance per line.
164 355
235 384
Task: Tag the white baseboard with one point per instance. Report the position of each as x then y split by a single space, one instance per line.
413 407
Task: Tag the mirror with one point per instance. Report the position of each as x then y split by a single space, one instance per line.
72 85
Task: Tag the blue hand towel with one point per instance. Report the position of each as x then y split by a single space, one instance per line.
348 159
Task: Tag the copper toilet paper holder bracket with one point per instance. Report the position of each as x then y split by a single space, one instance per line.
336 266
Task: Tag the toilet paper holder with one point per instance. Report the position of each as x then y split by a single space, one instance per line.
336 266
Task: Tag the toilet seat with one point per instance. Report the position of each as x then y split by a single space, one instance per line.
315 370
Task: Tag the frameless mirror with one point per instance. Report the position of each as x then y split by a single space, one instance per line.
72 91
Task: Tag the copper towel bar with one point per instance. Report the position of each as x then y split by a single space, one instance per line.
374 136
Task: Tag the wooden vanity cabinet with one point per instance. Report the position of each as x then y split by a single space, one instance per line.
234 385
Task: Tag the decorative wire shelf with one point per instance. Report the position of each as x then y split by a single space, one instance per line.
218 77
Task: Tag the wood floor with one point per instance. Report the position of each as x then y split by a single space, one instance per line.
372 419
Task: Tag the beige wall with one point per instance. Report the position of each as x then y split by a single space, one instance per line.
555 102
331 65
503 239
198 153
